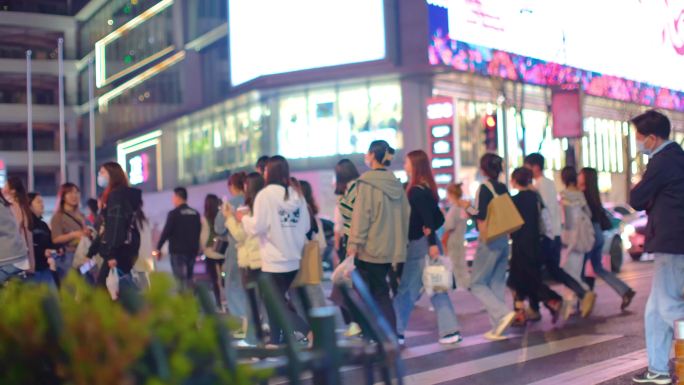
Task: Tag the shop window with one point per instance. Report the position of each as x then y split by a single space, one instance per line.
293 126
354 117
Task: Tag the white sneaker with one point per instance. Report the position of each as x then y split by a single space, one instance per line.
450 339
353 330
243 344
401 340
504 323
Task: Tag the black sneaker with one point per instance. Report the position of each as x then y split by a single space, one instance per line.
401 340
627 299
652 378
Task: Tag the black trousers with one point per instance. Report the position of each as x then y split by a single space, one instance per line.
215 268
551 252
525 274
375 276
283 282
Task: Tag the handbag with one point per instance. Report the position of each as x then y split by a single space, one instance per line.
502 216
311 267
220 245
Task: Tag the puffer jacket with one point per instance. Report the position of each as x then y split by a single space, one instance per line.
248 252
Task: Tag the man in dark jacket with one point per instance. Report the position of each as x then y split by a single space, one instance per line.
182 230
661 194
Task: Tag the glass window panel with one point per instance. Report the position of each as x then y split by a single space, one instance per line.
293 125
354 117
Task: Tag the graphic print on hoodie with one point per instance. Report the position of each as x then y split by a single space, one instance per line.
289 218
280 226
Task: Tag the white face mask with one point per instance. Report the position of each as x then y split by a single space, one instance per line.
102 181
641 147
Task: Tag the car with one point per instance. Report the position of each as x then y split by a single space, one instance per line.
633 228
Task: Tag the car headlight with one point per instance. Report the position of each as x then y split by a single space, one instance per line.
629 230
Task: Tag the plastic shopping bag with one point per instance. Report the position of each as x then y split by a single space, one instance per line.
112 283
81 253
437 277
343 271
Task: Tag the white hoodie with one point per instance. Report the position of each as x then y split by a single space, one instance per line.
281 226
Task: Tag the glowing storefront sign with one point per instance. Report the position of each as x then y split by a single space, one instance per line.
139 169
141 159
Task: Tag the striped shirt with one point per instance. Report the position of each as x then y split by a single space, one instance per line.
346 205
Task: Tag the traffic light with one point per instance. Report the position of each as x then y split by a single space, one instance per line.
491 139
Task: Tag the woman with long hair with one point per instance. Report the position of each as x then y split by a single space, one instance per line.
379 226
236 298
587 181
315 292
44 248
118 239
15 193
68 226
144 264
346 176
575 210
426 217
214 260
488 278
13 248
248 252
280 221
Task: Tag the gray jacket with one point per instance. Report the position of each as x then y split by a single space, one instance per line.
12 248
380 220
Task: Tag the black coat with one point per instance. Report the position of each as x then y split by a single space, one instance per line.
119 236
661 194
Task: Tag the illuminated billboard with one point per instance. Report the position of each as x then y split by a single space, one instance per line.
595 44
141 160
274 36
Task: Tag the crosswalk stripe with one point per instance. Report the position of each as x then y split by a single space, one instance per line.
423 350
517 356
600 371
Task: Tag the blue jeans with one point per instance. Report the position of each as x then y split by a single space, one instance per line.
64 263
665 305
7 272
488 279
235 292
596 255
409 292
44 277
183 267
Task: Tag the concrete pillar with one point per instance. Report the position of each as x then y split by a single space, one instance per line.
415 92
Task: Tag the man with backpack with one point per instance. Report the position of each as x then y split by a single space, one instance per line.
660 193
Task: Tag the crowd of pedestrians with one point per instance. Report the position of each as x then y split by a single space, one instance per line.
393 231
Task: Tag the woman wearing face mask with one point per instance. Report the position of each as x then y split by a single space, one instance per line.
42 243
587 181
15 193
68 226
379 227
118 240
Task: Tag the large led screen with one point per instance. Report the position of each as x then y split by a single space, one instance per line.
275 36
641 40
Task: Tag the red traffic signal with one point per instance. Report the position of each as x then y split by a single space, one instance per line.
490 129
